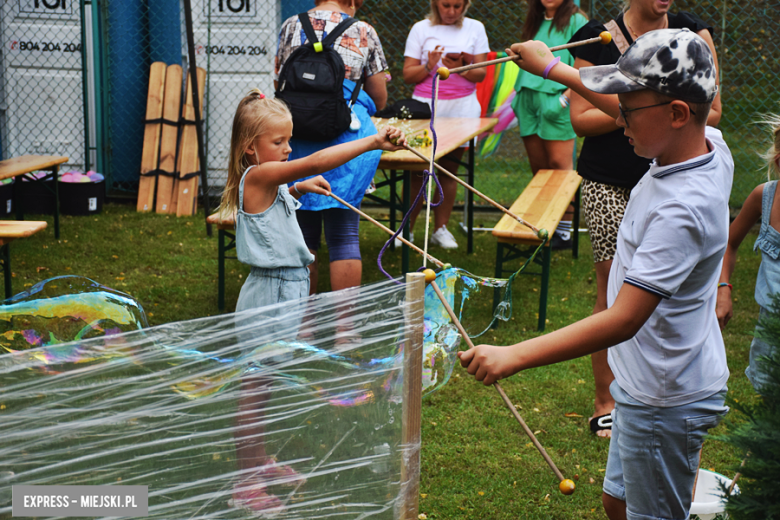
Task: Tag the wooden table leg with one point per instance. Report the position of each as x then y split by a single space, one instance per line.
470 198
221 270
499 273
391 202
407 200
545 285
575 247
5 258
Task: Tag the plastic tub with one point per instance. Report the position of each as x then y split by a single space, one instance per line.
36 197
82 198
708 499
6 198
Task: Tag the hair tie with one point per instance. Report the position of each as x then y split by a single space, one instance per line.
262 96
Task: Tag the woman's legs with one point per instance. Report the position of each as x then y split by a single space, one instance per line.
550 155
310 223
345 273
343 239
537 153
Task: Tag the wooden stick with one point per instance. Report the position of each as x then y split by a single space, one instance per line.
601 38
387 229
734 480
475 191
411 413
500 390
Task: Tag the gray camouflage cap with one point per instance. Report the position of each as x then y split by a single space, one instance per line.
675 62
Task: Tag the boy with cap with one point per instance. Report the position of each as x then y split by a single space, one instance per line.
667 352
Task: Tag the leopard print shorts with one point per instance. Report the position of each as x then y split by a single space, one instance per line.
603 206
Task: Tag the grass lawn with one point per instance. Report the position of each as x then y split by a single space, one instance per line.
477 463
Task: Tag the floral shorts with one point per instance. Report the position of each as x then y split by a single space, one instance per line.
603 206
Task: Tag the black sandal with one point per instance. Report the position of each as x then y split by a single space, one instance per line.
602 422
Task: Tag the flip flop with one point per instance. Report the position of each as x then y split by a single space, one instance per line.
602 422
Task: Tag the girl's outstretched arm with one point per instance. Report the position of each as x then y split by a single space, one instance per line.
535 56
275 173
747 217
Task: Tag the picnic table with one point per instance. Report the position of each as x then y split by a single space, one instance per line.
23 166
451 133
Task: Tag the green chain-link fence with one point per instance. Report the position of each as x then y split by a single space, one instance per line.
45 85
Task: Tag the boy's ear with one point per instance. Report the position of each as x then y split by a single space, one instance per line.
681 113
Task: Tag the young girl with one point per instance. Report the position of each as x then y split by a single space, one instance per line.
267 234
762 204
541 106
269 239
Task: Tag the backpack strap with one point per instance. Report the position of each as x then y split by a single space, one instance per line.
308 29
358 86
617 36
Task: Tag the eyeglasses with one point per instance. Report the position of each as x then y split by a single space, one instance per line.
624 112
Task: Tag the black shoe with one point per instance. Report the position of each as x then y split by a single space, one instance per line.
558 243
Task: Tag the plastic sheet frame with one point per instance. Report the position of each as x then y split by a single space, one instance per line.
300 410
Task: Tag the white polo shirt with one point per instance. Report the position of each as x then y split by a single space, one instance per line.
671 243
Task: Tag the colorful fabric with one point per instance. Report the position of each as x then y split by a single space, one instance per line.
485 87
498 103
358 47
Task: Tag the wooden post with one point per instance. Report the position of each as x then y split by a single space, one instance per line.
412 395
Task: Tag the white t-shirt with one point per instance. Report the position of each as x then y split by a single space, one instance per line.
424 37
671 243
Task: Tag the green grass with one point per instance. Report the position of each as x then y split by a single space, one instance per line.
476 462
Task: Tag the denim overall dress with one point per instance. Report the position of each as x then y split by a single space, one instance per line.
767 281
272 243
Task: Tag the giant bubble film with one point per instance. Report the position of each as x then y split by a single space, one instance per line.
289 411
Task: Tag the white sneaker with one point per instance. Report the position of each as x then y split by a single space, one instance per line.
397 242
443 238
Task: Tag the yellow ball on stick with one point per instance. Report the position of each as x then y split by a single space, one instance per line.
566 486
430 275
444 72
606 37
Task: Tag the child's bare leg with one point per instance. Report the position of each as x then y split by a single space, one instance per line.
602 374
250 448
258 470
615 509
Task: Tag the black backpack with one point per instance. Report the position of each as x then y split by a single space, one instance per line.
311 85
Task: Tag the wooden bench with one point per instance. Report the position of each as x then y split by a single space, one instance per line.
11 230
543 203
25 164
226 240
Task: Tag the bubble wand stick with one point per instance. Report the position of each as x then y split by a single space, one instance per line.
604 38
566 486
381 226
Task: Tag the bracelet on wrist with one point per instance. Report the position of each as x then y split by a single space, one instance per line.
295 187
550 66
723 284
